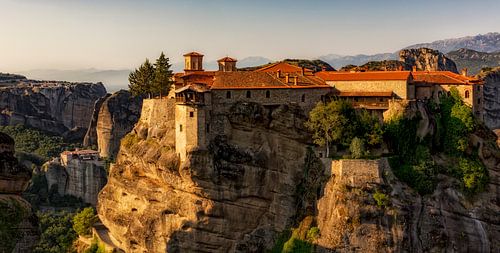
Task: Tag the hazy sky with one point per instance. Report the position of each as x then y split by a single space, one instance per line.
106 34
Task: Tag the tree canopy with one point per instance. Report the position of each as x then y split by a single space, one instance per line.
151 79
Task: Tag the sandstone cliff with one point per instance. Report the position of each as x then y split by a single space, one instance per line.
491 93
56 107
426 59
258 178
233 198
18 224
78 178
114 116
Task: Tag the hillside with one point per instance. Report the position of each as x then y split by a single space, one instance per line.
473 60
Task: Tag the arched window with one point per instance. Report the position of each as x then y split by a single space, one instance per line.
467 94
249 95
228 94
268 94
440 93
303 99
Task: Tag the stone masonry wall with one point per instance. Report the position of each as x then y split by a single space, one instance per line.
398 87
357 172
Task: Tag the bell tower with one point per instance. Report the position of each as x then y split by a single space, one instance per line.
227 64
193 62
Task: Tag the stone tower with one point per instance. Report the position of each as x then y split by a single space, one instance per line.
227 64
191 119
193 62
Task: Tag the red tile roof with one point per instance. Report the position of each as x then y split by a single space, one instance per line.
283 67
227 59
364 76
442 77
263 80
193 54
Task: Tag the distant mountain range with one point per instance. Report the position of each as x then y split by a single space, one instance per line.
473 59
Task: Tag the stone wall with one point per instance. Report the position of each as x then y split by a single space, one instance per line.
398 87
357 172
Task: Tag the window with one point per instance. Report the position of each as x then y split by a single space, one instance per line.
478 88
467 94
440 93
228 94
479 100
249 95
208 128
191 114
303 99
268 94
180 128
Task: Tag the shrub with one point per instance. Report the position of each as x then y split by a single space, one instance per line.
381 199
357 148
474 175
83 221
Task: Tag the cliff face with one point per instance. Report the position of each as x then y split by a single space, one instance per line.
255 181
426 59
233 198
81 179
491 93
59 108
349 218
114 116
18 224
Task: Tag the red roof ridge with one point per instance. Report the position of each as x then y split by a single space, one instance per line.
193 53
227 59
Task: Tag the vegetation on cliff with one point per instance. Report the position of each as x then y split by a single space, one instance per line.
34 145
11 215
415 160
57 232
338 123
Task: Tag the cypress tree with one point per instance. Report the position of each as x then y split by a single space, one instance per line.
141 80
162 75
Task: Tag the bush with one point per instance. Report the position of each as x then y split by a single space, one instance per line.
474 175
381 199
83 221
357 148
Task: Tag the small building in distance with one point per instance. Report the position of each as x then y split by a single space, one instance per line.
81 155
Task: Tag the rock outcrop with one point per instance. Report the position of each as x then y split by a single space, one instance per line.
233 198
426 59
55 107
116 116
79 178
491 93
350 218
254 182
18 224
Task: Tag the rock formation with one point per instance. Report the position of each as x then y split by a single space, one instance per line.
117 115
18 223
56 107
491 93
254 182
350 219
426 59
79 178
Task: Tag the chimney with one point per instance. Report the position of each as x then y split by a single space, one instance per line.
278 74
303 71
287 77
464 71
295 78
400 68
414 69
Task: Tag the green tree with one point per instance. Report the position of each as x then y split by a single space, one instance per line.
83 221
162 76
332 122
357 148
57 234
141 80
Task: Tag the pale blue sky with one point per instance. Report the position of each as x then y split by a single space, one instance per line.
106 34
